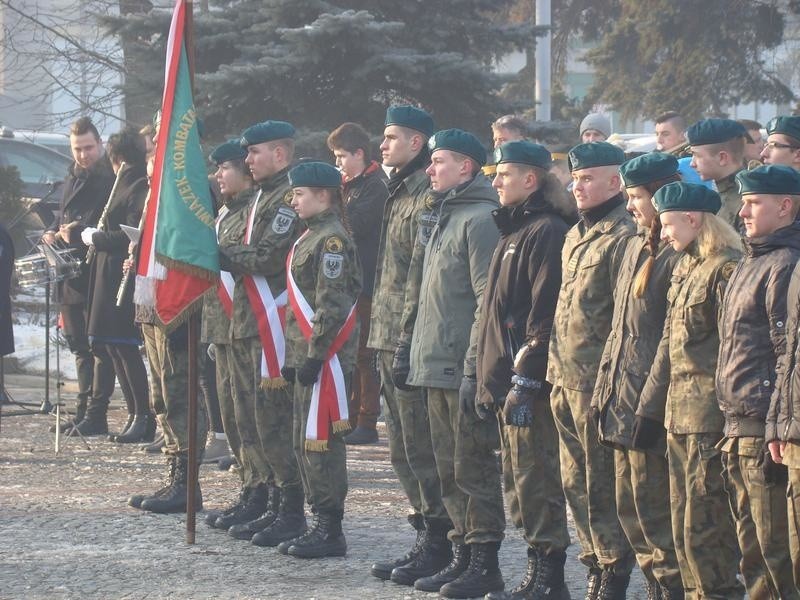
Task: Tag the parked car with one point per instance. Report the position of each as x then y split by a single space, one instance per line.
55 141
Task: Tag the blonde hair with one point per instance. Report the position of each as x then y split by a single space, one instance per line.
716 236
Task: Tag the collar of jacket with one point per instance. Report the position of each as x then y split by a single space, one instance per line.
612 211
371 168
326 216
239 199
512 218
418 163
785 237
726 183
277 180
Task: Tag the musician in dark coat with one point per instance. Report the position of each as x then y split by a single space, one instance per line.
111 328
85 190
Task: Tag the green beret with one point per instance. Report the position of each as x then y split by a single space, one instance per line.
714 131
524 153
315 174
594 154
785 125
648 167
686 197
457 140
409 116
771 179
230 150
267 131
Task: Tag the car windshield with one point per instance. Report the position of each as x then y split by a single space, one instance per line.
34 164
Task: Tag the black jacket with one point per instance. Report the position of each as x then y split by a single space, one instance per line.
85 195
521 293
6 271
365 197
752 330
105 318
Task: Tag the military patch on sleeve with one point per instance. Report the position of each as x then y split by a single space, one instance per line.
332 265
287 198
727 270
334 244
427 223
283 220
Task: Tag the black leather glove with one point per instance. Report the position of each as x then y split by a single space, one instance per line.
401 365
309 372
467 394
774 473
288 373
518 407
646 432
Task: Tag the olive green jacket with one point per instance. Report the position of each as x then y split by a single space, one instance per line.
327 271
680 389
275 229
731 202
405 230
216 326
590 263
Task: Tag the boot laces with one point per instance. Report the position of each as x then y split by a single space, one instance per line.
530 578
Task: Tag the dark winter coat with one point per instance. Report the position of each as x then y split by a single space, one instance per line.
364 197
752 330
6 271
106 320
85 195
783 418
521 293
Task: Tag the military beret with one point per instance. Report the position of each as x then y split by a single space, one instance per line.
648 167
315 174
524 153
267 131
771 179
230 150
409 116
457 140
686 197
715 131
785 125
594 154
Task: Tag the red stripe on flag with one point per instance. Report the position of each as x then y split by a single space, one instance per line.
178 290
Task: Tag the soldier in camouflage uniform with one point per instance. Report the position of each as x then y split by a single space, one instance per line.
717 147
263 407
443 357
679 391
322 341
640 306
752 331
590 263
407 223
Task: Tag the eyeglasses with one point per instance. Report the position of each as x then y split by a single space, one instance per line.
774 145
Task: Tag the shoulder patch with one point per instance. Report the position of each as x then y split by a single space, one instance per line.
727 270
334 244
332 265
287 198
283 220
429 201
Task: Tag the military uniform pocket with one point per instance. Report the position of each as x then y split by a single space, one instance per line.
708 478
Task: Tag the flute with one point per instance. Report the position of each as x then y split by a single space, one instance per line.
91 251
123 284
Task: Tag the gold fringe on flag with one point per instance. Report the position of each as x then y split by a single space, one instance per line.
317 445
191 308
276 383
341 426
183 267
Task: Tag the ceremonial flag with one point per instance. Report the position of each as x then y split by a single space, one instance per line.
179 245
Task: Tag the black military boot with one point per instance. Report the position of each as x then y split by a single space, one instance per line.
325 538
253 507
434 554
593 580
481 577
173 500
290 522
213 515
136 500
245 531
543 580
457 565
653 590
383 569
612 586
672 594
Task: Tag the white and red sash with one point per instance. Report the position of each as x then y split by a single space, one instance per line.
270 313
329 395
225 285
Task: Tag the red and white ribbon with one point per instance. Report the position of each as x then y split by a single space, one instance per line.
225 286
329 394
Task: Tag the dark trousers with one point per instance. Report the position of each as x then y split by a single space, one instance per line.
132 376
208 386
364 402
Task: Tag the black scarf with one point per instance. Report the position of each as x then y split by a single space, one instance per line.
420 161
592 216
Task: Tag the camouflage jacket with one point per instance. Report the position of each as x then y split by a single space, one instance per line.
680 389
327 271
731 202
408 219
216 327
275 229
590 262
631 346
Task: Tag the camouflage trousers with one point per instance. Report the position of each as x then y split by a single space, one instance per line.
532 481
464 446
587 475
263 419
793 507
759 512
642 478
702 527
410 446
169 391
324 474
